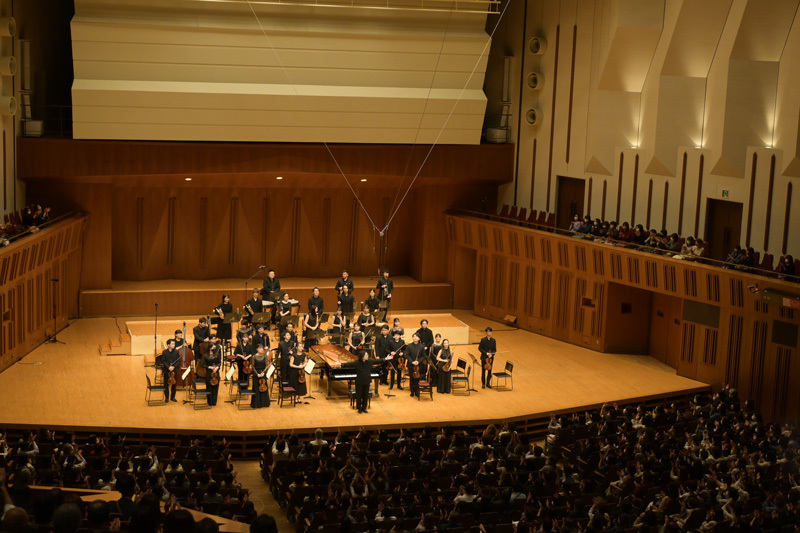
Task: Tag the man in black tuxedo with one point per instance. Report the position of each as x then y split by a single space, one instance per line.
488 348
170 362
363 369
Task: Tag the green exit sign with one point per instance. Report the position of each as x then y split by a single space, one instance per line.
725 193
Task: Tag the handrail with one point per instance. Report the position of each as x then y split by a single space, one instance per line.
630 246
35 229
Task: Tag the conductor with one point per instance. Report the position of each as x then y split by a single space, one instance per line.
363 369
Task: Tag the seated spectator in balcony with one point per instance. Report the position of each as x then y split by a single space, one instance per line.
786 268
597 229
734 258
625 234
575 225
613 231
652 240
674 244
748 259
586 226
689 248
639 235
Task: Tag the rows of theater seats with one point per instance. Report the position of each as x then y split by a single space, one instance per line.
711 464
541 219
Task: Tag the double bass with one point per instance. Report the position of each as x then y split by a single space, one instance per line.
187 356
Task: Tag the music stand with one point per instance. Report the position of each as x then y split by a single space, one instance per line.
260 318
309 370
472 378
276 296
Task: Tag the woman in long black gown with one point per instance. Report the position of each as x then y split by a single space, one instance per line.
260 365
212 361
444 355
224 331
296 367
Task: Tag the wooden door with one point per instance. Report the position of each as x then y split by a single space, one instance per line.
569 200
723 227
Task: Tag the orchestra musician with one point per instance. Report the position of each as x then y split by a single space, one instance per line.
397 346
344 282
284 307
311 325
363 367
488 348
365 319
286 349
243 352
397 327
382 349
355 341
271 289
245 330
385 289
260 365
212 361
224 331
425 334
261 337
292 332
255 304
444 356
371 302
346 300
316 302
339 324
415 357
179 340
201 334
297 364
436 347
170 364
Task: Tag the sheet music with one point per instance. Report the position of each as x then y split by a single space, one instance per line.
270 371
186 373
309 368
229 375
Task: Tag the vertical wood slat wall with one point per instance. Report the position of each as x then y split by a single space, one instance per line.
562 287
26 290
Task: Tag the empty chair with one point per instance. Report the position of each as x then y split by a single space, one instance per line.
159 389
425 385
522 216
504 211
513 212
767 262
542 218
461 382
532 217
460 369
551 220
507 376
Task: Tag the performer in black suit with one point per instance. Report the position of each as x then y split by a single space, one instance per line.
344 282
425 334
487 347
385 289
346 300
382 349
371 303
271 284
212 361
170 363
415 358
261 337
224 331
254 305
243 352
286 348
316 302
363 369
201 335
397 346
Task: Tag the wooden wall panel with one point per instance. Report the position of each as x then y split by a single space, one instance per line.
575 290
28 296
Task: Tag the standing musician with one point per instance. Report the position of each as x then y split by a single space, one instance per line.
382 349
488 348
365 319
286 348
297 365
254 305
284 307
415 357
224 331
385 288
170 365
436 347
316 302
372 302
346 300
211 362
397 327
201 334
291 331
246 330
179 340
261 337
271 286
311 325
444 360
344 282
397 346
363 368
339 324
355 342
425 335
260 365
243 352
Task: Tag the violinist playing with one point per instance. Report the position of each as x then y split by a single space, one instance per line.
170 365
260 364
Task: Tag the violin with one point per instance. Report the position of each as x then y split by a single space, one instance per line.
448 364
262 384
247 367
172 380
416 372
214 378
488 364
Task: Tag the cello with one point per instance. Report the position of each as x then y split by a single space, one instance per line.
187 356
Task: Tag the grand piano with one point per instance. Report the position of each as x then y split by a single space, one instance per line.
334 356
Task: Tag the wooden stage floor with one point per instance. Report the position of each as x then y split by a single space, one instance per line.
72 385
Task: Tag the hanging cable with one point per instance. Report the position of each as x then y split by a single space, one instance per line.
452 110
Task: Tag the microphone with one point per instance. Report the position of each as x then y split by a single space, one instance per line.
262 267
53 279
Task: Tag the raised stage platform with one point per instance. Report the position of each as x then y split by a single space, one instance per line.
72 386
198 297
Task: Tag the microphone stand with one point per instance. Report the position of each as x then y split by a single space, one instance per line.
260 270
155 338
54 338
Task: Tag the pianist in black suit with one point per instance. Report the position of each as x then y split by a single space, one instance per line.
363 368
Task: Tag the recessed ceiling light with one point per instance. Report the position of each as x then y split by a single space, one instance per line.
188 179
363 179
279 178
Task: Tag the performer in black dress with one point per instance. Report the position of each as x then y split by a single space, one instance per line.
346 301
488 348
316 302
415 357
385 289
170 364
339 324
224 331
442 357
355 342
260 365
212 361
434 350
397 346
371 302
344 282
254 305
296 366
311 330
284 307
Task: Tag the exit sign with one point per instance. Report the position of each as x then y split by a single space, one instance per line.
725 193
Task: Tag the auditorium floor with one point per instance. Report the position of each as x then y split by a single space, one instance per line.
72 385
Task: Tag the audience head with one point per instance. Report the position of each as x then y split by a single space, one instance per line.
263 523
67 518
179 521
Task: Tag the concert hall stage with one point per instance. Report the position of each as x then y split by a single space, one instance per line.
195 297
72 386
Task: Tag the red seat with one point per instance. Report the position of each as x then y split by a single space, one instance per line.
542 218
522 216
504 211
767 262
513 213
551 220
532 218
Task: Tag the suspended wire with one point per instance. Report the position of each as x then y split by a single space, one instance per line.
452 110
424 109
319 132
